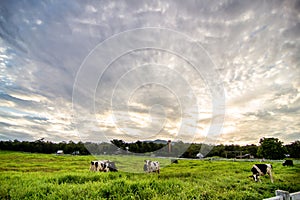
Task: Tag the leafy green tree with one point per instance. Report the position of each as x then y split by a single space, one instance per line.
271 148
192 151
251 149
218 150
178 148
294 149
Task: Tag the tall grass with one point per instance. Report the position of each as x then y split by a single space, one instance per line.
41 176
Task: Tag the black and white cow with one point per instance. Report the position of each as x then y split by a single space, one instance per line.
288 163
151 166
103 166
261 170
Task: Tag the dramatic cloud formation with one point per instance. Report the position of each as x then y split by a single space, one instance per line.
64 74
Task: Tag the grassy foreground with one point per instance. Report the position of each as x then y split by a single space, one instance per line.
42 176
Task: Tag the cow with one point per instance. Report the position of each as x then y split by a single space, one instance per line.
151 166
103 166
261 170
288 163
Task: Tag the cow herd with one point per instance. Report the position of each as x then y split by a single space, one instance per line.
153 166
110 166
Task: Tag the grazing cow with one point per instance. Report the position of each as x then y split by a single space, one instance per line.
103 166
288 163
151 166
261 170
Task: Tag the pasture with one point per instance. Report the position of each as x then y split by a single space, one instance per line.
44 176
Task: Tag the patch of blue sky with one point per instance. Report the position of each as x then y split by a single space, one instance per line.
7 111
14 112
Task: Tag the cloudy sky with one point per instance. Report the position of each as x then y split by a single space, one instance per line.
198 71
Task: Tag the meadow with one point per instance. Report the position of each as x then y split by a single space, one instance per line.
45 176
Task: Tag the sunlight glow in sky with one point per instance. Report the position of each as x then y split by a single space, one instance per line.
254 45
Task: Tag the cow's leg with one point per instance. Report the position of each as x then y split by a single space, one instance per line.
96 166
270 174
92 166
254 176
258 178
101 167
272 180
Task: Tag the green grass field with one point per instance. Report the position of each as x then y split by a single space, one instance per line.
43 176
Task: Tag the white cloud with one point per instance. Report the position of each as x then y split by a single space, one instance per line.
254 45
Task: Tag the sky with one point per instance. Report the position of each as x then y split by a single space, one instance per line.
198 71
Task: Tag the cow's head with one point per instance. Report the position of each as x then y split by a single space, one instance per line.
112 166
255 177
145 167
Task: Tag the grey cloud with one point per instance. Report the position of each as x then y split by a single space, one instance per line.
4 124
35 118
292 32
8 97
292 137
291 109
235 9
262 114
253 44
12 135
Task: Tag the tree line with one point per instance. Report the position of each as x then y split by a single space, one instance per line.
269 148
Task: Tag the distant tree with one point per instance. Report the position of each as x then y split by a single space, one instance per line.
192 151
178 148
218 150
271 148
294 149
119 143
250 149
